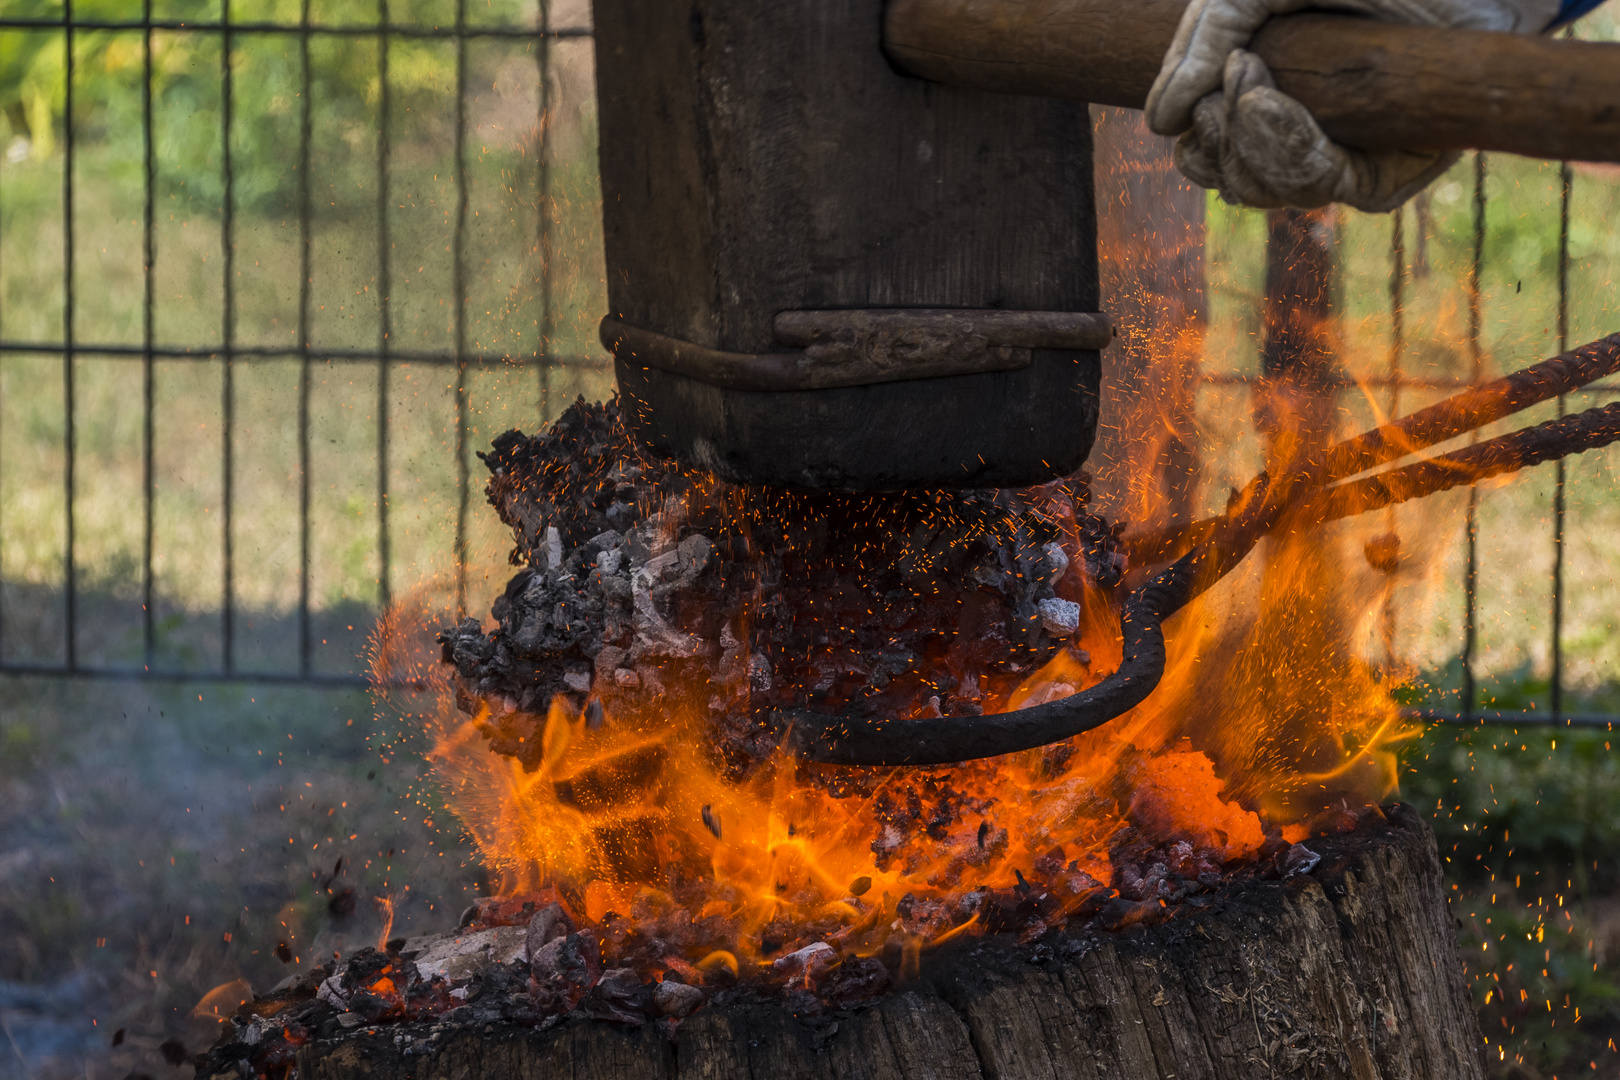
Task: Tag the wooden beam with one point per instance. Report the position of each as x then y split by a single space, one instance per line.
1372 85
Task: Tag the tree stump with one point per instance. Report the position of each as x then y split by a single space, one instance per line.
1347 969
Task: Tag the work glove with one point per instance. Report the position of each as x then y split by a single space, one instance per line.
1257 146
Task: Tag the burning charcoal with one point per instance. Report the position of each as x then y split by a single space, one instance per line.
551 553
1033 929
808 963
1057 558
548 924
711 821
370 1006
333 993
803 1003
857 978
463 1014
284 952
1060 618
860 886
759 673
302 984
572 962
616 998
676 999
1298 859
694 553
609 659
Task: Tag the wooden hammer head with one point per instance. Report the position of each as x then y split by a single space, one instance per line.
766 158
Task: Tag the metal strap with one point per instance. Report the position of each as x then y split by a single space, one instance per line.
862 347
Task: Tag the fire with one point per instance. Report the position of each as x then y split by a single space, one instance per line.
639 829
1268 726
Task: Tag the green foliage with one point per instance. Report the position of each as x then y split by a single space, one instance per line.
1528 822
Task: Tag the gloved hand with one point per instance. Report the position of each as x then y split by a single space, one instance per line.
1258 146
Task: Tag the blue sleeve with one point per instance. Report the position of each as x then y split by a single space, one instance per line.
1570 10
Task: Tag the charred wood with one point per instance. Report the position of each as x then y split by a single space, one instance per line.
1337 961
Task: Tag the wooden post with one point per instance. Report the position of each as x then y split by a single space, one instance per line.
1347 971
1298 353
1150 248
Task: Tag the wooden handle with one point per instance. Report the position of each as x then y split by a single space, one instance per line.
1374 85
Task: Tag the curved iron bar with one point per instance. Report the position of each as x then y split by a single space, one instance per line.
940 740
868 741
1261 508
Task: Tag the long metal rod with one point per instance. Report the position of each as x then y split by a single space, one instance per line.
143 674
70 570
1476 355
1552 440
148 364
209 353
436 33
2 466
1466 412
1556 677
305 367
1371 382
542 155
861 741
1262 509
458 272
385 326
228 334
1392 409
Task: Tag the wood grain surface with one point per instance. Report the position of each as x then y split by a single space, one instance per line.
1349 972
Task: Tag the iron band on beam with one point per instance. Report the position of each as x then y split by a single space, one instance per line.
864 347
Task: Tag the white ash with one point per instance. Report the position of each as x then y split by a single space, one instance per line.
1060 618
463 955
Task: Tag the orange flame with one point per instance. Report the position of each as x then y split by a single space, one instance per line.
1265 717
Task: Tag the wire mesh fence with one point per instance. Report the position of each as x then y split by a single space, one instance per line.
271 275
347 229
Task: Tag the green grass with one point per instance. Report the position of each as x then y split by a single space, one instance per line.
160 841
1528 821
